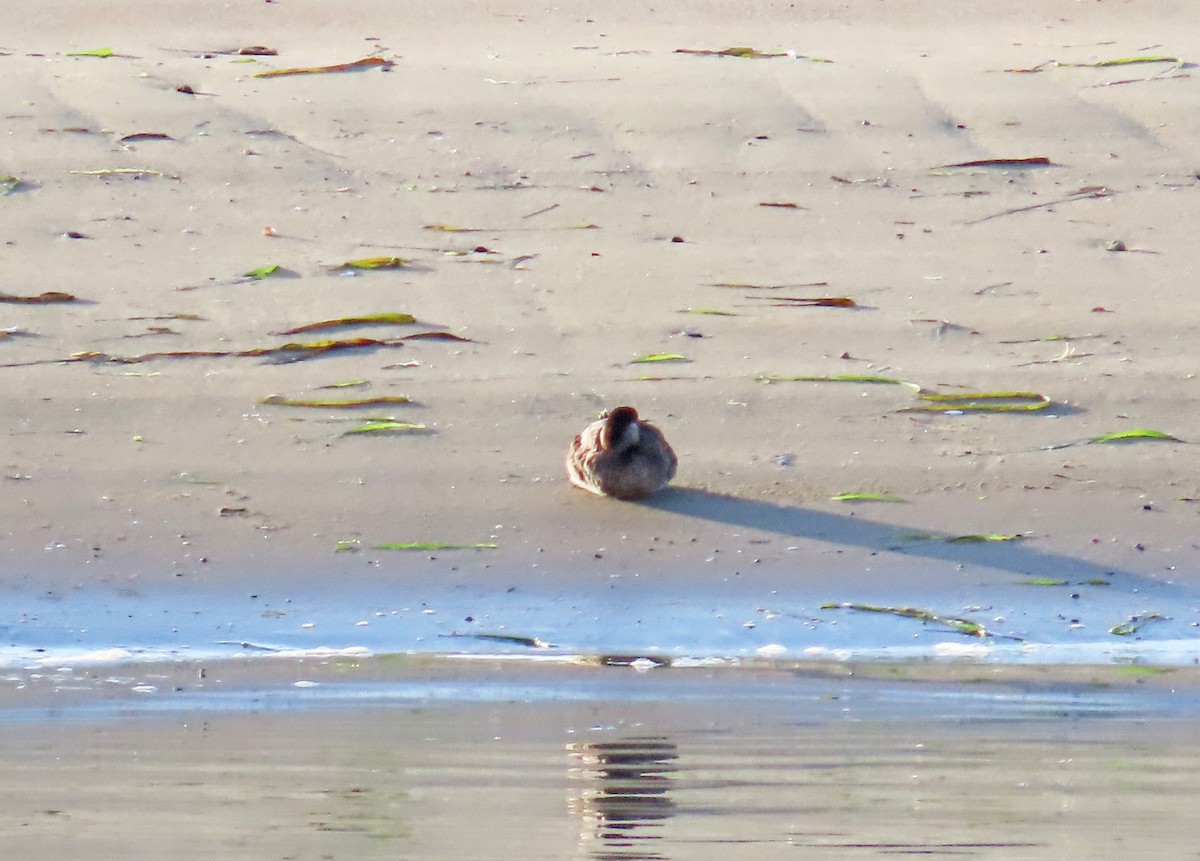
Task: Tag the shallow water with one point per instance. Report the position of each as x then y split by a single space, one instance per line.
550 720
481 760
727 619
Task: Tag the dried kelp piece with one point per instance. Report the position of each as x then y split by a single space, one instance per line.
973 538
781 205
247 51
809 301
357 65
335 403
541 211
153 331
866 496
179 316
736 51
979 402
1119 61
954 402
263 272
1135 435
272 270
838 378
374 263
1169 74
1048 338
50 297
298 351
1135 623
511 639
293 352
1034 161
716 312
435 336
387 318
322 346
1040 67
450 228
432 545
660 357
388 426
961 626
146 136
1087 193
94 356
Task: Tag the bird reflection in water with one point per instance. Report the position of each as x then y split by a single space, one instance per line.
626 797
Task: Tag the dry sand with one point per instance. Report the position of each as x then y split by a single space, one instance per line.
578 145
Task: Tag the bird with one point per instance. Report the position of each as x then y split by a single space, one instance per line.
622 456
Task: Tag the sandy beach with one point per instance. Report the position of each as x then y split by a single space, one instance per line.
562 156
714 212
567 191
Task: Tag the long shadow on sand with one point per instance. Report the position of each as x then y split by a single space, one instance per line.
839 529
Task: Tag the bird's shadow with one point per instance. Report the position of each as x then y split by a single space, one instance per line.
1019 557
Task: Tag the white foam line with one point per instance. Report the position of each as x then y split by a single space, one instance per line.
1177 652
15 658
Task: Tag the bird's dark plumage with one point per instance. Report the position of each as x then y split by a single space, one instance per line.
620 455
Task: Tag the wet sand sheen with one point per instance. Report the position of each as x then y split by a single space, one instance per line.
727 619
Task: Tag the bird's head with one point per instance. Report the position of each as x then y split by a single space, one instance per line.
621 432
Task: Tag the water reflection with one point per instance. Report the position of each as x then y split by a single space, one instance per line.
625 799
762 767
